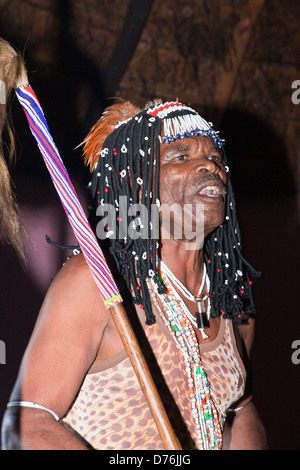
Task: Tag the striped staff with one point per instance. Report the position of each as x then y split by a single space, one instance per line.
83 232
95 259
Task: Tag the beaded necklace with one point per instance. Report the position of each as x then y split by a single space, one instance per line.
201 319
170 307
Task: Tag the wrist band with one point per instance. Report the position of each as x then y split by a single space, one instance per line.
234 410
29 404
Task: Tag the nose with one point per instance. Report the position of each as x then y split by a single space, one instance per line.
206 166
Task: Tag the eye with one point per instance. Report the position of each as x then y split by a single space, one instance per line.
181 157
215 158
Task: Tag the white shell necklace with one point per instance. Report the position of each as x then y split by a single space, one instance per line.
201 320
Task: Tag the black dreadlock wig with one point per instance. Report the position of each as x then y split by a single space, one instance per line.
123 151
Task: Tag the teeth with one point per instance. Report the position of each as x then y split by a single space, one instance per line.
210 191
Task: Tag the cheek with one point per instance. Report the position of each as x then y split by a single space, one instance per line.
223 175
171 186
166 192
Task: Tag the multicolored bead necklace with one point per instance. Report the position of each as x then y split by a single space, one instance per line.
170 307
201 319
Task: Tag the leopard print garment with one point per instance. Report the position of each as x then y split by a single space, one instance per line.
111 413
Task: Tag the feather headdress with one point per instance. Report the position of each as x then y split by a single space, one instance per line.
111 117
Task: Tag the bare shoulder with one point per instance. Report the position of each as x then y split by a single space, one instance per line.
74 271
75 288
73 311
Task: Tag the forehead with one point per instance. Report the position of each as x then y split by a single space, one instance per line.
195 143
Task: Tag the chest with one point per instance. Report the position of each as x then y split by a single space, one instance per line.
211 331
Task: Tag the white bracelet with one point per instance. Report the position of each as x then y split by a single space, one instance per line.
234 410
29 404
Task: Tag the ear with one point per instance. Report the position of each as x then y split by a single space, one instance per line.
106 125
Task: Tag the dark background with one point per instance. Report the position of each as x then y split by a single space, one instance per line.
234 61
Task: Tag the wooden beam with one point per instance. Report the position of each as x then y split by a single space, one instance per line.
125 46
241 39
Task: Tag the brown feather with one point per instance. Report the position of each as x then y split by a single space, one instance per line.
94 141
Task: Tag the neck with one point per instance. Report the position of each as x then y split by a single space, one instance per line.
186 265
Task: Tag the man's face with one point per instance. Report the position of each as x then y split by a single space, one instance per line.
192 172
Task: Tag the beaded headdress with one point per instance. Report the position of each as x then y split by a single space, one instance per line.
123 152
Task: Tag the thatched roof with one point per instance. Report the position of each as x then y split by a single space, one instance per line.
228 58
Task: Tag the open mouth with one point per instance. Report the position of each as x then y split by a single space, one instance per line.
212 190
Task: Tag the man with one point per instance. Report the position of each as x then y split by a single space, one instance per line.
193 305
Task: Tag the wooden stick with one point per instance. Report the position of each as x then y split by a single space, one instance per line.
145 379
92 252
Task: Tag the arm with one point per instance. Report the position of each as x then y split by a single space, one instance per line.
28 429
64 343
246 431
